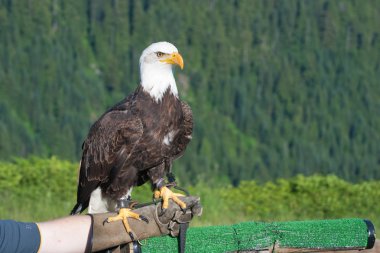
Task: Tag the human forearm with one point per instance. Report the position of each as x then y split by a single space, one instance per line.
68 234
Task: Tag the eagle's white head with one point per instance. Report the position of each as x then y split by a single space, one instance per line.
156 73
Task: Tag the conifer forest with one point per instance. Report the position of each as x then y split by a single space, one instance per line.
277 88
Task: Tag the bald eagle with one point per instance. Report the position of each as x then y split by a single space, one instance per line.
136 140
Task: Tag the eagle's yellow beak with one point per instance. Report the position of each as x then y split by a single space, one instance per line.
174 58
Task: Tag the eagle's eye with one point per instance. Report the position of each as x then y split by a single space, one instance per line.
159 54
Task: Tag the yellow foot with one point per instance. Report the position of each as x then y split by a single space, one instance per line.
166 194
125 213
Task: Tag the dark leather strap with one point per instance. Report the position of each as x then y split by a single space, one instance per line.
124 203
136 247
182 237
160 183
90 234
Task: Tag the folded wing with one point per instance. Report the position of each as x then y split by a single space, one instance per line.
106 151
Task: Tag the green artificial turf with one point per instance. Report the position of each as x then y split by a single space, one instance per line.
321 234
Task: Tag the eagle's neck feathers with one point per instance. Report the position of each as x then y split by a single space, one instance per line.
156 79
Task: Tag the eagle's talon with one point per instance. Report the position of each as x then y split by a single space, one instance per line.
133 204
143 218
123 214
165 193
131 235
163 211
156 195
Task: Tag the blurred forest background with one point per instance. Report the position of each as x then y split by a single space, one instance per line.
277 88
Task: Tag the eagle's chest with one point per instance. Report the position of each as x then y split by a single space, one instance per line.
162 122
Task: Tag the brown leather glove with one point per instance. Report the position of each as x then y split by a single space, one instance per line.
107 235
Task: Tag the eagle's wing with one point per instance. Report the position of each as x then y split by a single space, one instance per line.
108 147
184 136
187 120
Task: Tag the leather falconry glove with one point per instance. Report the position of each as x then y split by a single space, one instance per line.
108 235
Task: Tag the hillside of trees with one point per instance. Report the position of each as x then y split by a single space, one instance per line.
277 88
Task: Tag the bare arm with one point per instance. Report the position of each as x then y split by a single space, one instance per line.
68 234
